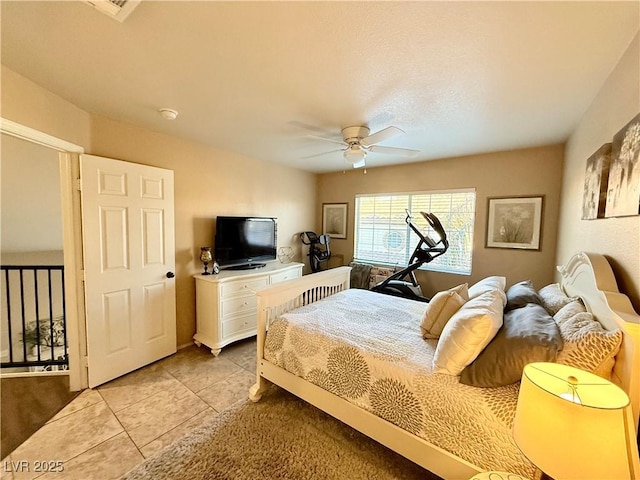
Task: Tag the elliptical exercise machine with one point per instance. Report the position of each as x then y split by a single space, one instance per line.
404 283
319 250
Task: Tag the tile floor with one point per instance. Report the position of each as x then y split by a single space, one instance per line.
107 431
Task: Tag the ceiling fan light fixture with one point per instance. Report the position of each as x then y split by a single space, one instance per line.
361 164
358 141
354 155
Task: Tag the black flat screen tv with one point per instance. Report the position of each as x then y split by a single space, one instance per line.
245 242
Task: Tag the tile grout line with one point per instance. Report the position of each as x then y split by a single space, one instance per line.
180 424
98 444
147 396
71 413
123 428
172 429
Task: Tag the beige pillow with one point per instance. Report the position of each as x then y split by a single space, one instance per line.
587 345
468 331
440 309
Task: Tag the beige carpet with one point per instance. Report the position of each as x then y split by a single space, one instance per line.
27 404
280 437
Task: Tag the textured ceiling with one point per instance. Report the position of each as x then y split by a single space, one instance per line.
258 77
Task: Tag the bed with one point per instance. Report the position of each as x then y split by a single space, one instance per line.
311 353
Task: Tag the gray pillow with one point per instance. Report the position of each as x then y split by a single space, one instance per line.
521 294
528 334
553 298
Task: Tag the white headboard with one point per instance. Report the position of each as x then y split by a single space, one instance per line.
589 276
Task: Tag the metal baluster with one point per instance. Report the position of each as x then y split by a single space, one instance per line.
6 279
37 303
24 327
50 313
64 317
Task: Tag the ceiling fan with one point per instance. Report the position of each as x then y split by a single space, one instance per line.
357 142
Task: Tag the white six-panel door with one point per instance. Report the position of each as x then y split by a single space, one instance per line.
129 260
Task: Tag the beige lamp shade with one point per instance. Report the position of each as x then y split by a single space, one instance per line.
574 425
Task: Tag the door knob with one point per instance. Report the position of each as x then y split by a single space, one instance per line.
170 274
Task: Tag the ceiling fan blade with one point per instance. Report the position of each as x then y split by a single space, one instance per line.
405 152
323 153
381 136
312 128
339 142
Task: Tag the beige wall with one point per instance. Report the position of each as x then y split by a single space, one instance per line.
29 104
31 205
617 238
535 171
208 183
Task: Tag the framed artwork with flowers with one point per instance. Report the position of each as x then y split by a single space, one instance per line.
515 222
334 220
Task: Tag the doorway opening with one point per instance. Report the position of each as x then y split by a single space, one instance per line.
32 318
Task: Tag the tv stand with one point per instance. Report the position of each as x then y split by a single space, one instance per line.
226 304
246 266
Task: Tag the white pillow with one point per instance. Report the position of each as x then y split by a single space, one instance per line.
440 309
486 285
468 331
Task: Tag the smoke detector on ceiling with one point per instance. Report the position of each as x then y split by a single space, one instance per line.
116 9
168 113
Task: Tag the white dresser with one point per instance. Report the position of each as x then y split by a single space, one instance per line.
226 304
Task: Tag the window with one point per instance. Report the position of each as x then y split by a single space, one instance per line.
383 238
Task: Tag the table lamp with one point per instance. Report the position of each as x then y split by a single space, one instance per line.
573 424
206 257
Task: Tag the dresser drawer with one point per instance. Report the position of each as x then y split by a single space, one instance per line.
227 304
239 304
239 324
246 286
283 276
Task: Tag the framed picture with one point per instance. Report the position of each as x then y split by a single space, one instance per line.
596 178
623 191
334 219
514 222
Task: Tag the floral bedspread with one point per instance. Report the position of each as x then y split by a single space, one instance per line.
367 348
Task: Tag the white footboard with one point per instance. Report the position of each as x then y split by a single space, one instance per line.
277 299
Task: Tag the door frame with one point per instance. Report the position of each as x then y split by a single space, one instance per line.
68 154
